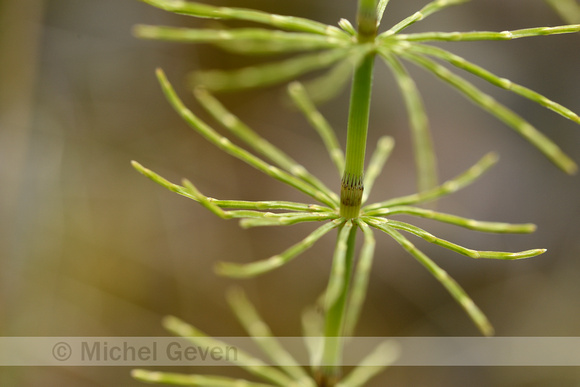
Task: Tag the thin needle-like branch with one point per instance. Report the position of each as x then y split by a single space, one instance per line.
427 10
252 37
510 118
378 159
242 359
267 74
488 35
446 188
504 83
235 270
330 84
381 10
192 380
241 204
385 354
336 279
227 146
258 143
291 23
262 335
425 158
441 275
460 249
318 122
286 219
497 227
360 280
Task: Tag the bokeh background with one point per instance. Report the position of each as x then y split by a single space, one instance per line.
88 247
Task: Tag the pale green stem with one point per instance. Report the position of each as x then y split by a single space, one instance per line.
337 275
367 20
258 143
262 335
497 227
242 359
360 280
268 74
378 159
476 254
504 114
207 11
446 188
319 123
235 270
441 275
424 151
352 181
192 380
335 315
488 35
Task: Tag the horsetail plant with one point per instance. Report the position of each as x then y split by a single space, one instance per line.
345 51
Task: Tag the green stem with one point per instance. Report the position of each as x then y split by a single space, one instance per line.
335 318
352 180
367 20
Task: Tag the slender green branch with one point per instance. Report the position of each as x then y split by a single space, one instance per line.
285 219
497 227
241 204
385 354
352 181
360 280
446 188
330 84
267 74
504 83
226 145
291 23
258 143
425 158
378 159
510 118
488 35
381 10
255 268
337 275
460 249
441 275
262 335
318 122
312 328
242 359
192 380
427 10
251 37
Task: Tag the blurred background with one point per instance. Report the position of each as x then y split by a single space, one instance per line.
88 247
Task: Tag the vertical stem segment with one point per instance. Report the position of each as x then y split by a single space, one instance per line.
335 316
367 20
351 189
